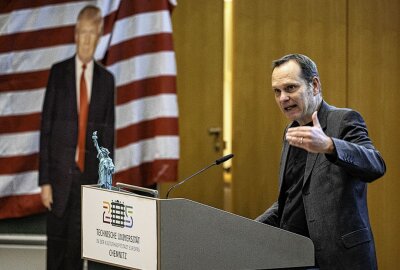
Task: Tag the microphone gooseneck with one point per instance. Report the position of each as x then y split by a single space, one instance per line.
217 162
223 159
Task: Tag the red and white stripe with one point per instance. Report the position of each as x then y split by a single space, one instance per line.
136 47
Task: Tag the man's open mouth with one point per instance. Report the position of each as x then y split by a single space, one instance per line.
289 108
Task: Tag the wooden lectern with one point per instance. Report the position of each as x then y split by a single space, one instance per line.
131 231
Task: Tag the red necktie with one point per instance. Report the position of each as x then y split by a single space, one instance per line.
83 115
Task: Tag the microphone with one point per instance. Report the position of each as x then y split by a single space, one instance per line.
217 162
223 159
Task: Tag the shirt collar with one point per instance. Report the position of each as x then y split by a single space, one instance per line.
79 63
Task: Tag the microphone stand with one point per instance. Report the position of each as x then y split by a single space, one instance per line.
187 178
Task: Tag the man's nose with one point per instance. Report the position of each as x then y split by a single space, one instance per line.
284 96
86 39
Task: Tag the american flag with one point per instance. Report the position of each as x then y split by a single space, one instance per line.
136 47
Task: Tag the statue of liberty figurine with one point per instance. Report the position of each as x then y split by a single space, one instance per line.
106 166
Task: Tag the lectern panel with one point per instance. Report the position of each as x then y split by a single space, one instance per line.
119 228
135 232
195 236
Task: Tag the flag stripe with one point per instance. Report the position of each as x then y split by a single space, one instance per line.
147 129
162 170
35 59
141 25
28 40
146 109
14 144
128 7
146 87
8 6
19 164
132 155
19 123
22 102
20 205
23 81
20 183
138 46
144 66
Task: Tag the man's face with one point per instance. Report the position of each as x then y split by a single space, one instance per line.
293 95
87 35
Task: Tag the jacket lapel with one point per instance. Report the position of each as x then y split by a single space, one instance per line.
71 86
312 157
285 151
95 95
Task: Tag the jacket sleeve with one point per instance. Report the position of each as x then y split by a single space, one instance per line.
355 152
270 216
45 129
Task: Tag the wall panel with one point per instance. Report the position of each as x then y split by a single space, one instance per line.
264 31
198 40
373 80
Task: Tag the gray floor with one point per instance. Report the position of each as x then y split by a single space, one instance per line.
22 252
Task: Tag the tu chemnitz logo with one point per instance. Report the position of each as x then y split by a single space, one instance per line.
117 214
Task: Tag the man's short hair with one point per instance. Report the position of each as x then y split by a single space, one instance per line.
93 14
308 67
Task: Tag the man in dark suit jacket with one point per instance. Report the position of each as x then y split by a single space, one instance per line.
327 161
62 170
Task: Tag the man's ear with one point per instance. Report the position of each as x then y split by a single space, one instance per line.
316 86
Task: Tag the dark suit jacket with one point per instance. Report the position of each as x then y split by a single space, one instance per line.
335 192
59 129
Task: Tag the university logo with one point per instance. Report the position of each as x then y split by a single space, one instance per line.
117 214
